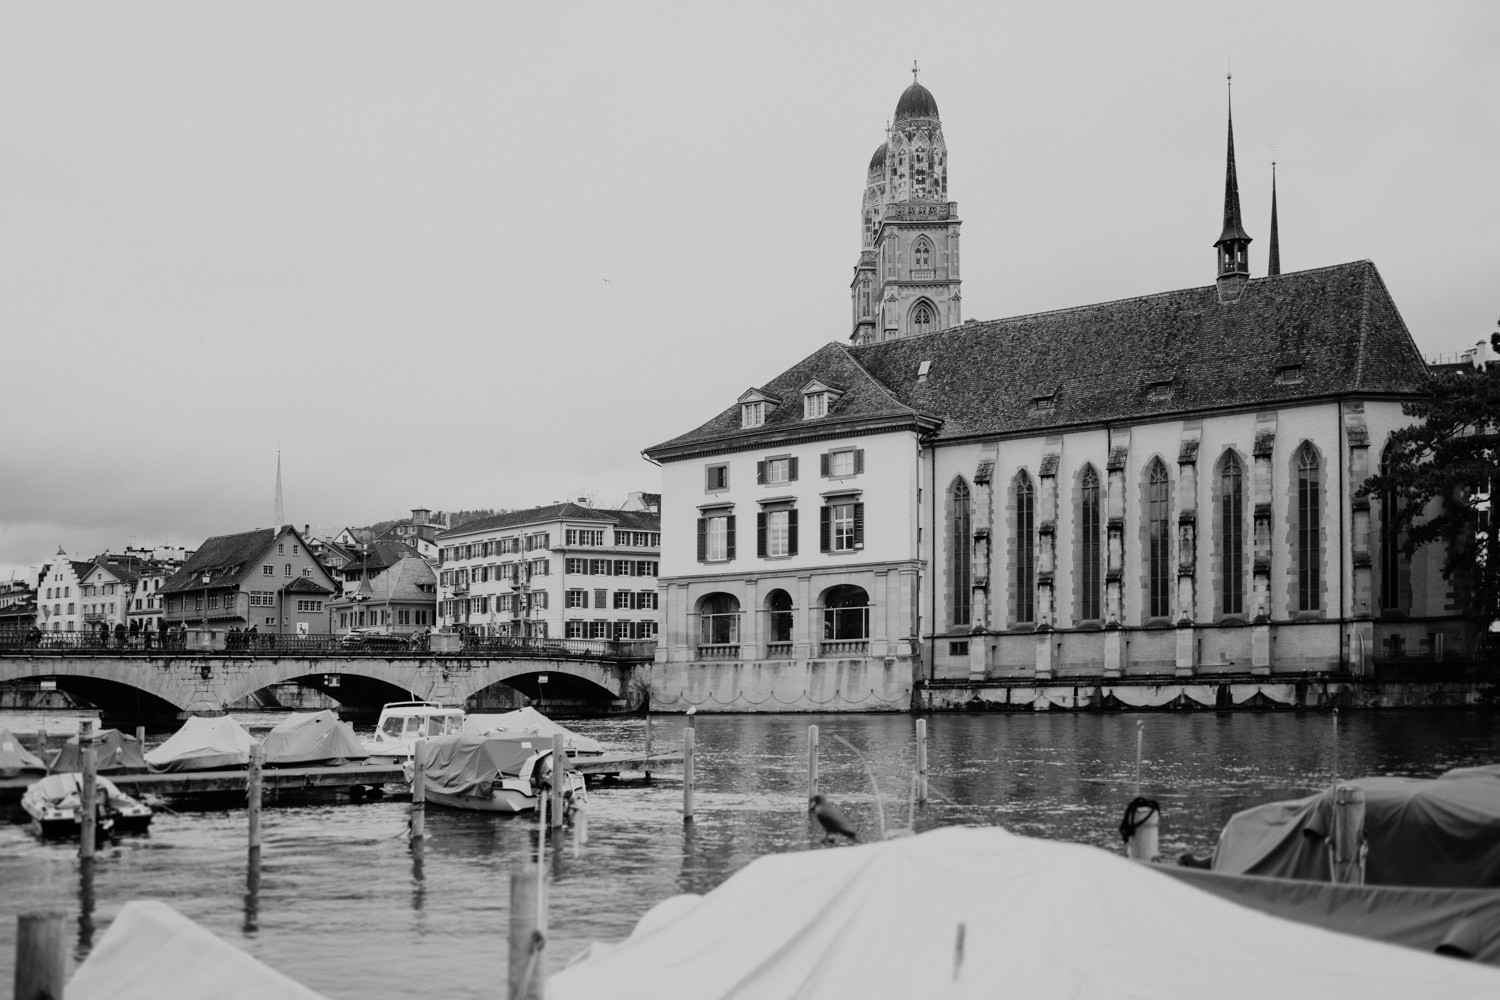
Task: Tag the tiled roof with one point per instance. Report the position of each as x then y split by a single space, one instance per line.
121 571
225 557
636 520
1303 335
305 585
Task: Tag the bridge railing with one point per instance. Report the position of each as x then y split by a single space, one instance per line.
33 642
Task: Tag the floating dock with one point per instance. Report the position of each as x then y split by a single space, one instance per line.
293 779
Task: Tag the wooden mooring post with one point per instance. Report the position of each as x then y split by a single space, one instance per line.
88 819
648 742
559 780
687 775
527 978
41 956
418 791
922 761
41 747
253 788
812 761
140 737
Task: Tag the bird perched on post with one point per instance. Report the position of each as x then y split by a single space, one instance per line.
832 819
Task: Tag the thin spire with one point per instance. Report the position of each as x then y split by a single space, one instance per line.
1273 262
279 515
914 71
1233 228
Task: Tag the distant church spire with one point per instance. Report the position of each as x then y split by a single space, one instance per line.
279 516
1233 243
1273 261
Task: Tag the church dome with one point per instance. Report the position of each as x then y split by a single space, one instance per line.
916 102
877 162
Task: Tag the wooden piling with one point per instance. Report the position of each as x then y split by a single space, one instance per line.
812 761
648 743
528 943
41 747
922 761
1140 742
140 737
418 791
687 775
559 780
253 794
41 956
87 800
581 824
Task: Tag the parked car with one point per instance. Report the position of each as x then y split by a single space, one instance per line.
372 638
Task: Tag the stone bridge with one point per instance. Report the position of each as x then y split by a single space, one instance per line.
175 684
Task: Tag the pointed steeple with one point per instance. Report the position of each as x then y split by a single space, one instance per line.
1273 260
1233 243
279 515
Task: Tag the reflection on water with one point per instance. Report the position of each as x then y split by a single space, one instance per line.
343 901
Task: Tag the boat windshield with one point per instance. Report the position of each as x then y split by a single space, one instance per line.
391 726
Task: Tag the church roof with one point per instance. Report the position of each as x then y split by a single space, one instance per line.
878 160
916 102
1299 336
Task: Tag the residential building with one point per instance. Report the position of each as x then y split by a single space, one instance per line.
18 606
420 532
107 590
565 570
401 595
265 578
1161 485
60 594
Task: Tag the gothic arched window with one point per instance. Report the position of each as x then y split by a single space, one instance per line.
1158 541
1025 549
1390 544
923 318
1232 535
921 254
1089 556
1309 530
960 551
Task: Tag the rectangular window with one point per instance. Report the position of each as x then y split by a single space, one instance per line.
578 598
268 570
288 569
623 566
716 538
715 478
310 606
280 548
622 599
752 414
842 463
599 567
601 598
576 629
598 630
645 568
541 567
776 470
776 533
403 616
958 648
842 527
814 404
578 566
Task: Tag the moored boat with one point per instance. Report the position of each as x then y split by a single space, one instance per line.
403 723
491 774
55 806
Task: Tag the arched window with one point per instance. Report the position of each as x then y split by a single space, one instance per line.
1089 555
1309 530
846 613
921 253
1158 541
779 616
1390 544
923 318
1025 549
961 551
719 620
1232 535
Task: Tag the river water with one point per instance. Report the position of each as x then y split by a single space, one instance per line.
342 905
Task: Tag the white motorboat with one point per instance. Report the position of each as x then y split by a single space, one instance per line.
505 774
403 723
55 806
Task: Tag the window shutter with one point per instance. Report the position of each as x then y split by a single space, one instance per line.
760 473
760 534
791 530
791 472
859 526
702 539
729 536
708 478
859 460
823 469
823 529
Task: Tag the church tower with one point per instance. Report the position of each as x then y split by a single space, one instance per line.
1233 243
906 282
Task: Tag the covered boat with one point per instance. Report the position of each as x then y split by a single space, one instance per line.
55 804
203 745
312 738
1436 833
529 722
490 773
968 912
16 759
114 753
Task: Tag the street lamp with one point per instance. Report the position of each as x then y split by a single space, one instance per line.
206 576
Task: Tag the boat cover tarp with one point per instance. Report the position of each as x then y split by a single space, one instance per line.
469 765
152 952
529 722
968 912
66 789
16 759
1420 831
1414 917
312 737
114 751
202 745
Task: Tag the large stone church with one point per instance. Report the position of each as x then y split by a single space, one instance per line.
1158 489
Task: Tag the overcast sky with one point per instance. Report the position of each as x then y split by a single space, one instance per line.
480 255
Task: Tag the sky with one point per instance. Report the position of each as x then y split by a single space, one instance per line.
462 255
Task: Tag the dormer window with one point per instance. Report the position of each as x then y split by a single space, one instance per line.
814 404
752 414
1289 374
1160 390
